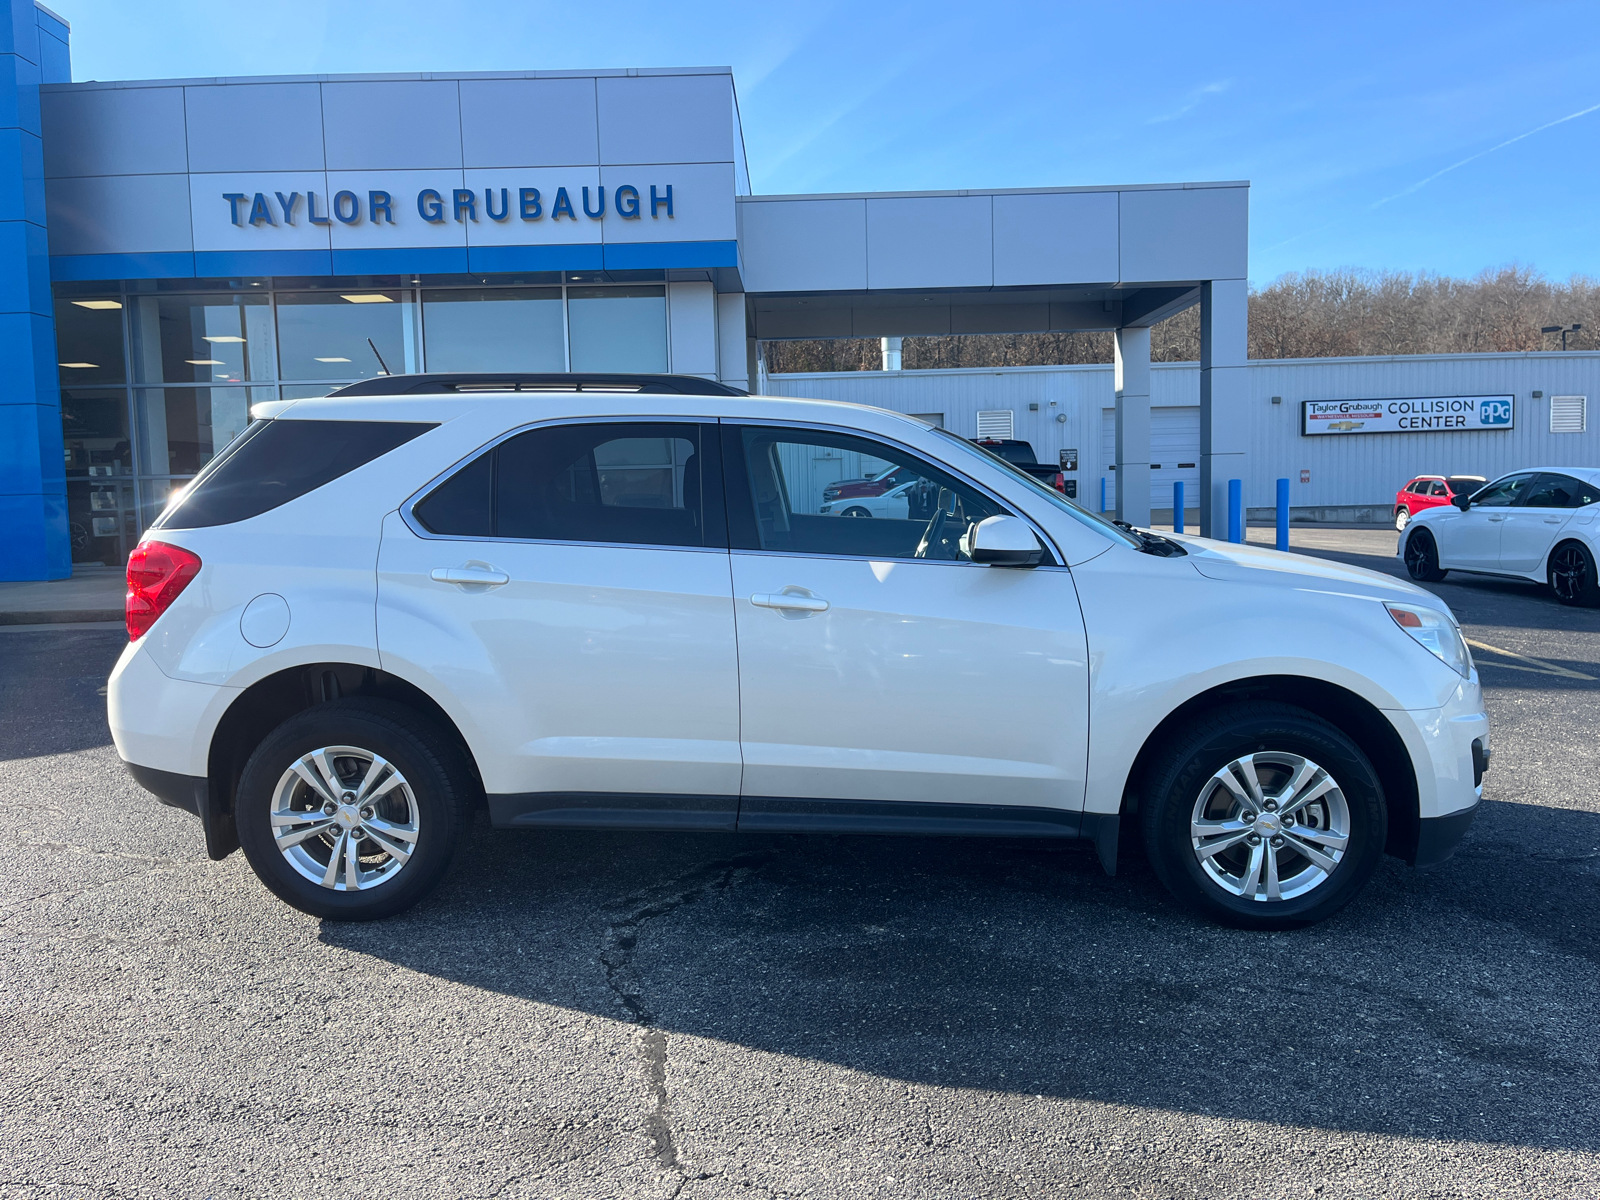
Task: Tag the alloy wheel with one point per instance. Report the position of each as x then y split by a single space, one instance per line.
1270 826
1419 555
1569 573
345 818
1402 518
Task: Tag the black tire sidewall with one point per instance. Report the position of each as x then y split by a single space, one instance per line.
431 768
1176 785
1432 573
1589 595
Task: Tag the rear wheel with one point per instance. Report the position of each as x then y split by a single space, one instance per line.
1572 576
1402 517
351 810
1264 816
1422 557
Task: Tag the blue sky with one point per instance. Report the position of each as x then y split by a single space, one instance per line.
1396 135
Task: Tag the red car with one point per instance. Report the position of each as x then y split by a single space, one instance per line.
1430 491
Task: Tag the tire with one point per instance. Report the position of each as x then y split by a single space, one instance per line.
1572 576
1422 557
856 511
1232 881
1402 518
426 810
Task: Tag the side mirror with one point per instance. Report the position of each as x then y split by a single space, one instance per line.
1462 501
1004 542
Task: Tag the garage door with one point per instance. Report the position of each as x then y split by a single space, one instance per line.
1174 454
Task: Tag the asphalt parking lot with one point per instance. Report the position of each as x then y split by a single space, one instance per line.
603 1015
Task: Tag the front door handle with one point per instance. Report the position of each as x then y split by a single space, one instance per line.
1552 520
483 576
797 601
1497 518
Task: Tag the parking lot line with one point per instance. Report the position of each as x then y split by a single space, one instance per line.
1524 663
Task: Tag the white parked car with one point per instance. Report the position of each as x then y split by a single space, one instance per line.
1539 524
614 603
894 504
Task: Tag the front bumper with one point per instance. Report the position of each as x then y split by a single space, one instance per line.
1438 837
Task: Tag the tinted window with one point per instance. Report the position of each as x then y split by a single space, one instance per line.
635 483
805 491
1503 492
274 462
1436 489
1559 491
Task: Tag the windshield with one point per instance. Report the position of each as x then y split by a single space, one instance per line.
1078 513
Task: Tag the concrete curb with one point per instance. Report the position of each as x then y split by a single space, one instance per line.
62 617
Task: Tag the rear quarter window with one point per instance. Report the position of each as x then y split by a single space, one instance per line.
274 462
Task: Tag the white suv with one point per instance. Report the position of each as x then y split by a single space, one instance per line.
617 602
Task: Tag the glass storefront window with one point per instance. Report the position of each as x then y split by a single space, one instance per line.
217 338
181 429
494 329
102 522
323 335
89 340
618 328
94 427
307 391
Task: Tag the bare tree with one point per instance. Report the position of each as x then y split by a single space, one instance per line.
1315 314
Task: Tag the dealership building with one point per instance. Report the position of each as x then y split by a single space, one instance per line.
175 251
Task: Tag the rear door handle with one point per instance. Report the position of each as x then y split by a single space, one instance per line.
1497 518
1552 520
790 600
483 576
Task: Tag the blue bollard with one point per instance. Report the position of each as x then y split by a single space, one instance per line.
1102 493
1283 514
1177 506
1235 511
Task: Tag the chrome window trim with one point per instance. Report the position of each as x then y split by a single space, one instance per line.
416 526
890 558
1010 506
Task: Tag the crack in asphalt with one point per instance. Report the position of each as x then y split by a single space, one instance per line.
622 939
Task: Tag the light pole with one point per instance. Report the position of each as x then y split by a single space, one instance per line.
1563 330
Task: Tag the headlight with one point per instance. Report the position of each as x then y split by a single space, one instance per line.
1436 633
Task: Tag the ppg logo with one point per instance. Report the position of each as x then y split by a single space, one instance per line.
1494 412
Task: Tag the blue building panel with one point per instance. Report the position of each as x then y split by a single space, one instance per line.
400 260
218 264
78 268
647 256
33 503
491 260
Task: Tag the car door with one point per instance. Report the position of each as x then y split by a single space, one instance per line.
886 681
1471 540
567 593
1531 526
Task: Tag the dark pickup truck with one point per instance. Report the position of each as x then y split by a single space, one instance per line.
1020 455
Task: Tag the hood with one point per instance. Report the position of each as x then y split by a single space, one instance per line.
1271 568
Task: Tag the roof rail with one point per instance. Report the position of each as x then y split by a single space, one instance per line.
669 385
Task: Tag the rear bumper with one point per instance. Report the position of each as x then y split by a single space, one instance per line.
1438 837
192 794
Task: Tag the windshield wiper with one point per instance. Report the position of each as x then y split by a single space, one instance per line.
1153 543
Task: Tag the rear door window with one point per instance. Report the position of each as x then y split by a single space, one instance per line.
1559 491
631 483
274 462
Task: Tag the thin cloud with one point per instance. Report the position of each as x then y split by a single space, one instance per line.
1196 97
1422 183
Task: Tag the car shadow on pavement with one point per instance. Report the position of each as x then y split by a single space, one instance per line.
1454 1004
52 690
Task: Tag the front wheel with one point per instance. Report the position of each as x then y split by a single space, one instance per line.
1264 816
855 511
1422 557
1402 518
351 811
1572 576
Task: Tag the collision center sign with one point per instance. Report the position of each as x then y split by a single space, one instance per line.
1424 414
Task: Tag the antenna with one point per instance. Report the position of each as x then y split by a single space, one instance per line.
379 357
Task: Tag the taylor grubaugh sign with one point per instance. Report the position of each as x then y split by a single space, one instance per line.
1420 414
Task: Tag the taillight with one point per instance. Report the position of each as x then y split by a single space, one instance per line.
157 573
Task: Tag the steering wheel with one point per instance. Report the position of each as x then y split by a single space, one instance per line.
934 543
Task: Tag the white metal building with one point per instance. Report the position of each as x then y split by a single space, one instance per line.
1350 478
